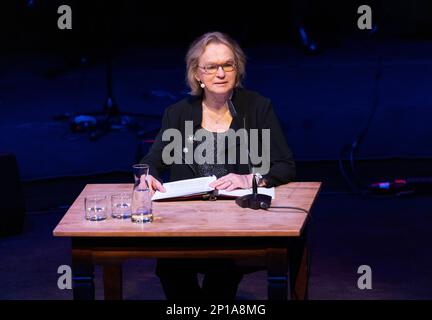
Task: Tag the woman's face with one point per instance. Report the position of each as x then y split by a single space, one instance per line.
216 69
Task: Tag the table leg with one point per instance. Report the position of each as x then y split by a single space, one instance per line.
277 274
82 275
113 281
299 266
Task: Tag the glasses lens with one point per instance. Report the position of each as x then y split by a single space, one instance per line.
211 68
228 67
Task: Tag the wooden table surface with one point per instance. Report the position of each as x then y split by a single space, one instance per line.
200 218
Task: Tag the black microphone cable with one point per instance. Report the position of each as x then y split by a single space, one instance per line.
356 183
293 208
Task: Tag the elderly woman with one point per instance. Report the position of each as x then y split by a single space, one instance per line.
215 69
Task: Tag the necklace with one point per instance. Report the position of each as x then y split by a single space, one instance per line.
217 119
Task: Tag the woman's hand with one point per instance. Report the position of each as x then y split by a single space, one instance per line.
152 183
233 181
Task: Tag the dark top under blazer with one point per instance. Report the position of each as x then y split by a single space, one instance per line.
257 112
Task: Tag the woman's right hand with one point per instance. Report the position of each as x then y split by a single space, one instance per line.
153 184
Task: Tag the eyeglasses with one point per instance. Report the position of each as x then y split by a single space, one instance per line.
213 68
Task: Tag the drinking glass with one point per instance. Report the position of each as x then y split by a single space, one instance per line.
95 207
121 205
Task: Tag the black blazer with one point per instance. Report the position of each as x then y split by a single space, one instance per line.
253 110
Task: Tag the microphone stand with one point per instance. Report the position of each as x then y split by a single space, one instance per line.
110 118
255 200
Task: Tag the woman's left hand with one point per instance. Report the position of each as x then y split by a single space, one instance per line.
233 181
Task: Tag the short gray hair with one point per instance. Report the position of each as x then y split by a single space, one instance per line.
198 47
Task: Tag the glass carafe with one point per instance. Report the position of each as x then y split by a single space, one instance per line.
141 195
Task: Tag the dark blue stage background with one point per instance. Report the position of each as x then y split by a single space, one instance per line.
324 97
323 100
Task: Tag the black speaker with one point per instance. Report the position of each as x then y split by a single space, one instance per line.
12 208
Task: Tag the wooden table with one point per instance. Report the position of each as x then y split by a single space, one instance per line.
200 229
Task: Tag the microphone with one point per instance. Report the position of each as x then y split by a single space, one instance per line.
255 200
232 109
234 114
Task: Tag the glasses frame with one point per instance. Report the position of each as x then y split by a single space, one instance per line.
223 65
